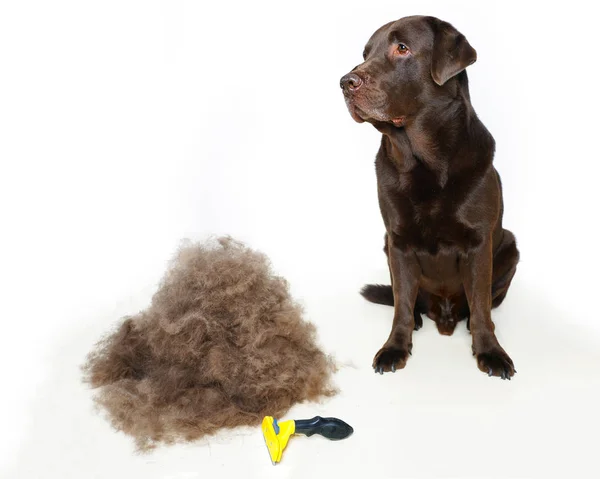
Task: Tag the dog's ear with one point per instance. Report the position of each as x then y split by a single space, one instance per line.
451 53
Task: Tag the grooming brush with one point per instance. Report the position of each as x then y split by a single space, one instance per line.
277 434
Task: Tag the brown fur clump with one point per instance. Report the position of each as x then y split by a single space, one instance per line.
222 345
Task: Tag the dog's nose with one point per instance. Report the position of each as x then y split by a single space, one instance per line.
350 82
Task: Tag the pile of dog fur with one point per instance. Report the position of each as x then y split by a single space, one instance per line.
221 345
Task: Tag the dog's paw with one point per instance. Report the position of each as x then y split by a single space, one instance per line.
496 363
390 358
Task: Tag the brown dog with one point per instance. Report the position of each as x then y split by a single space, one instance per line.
439 194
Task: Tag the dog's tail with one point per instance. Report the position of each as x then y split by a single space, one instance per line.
378 293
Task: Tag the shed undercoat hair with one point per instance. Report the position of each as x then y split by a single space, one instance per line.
221 345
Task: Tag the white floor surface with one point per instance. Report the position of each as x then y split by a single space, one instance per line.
439 417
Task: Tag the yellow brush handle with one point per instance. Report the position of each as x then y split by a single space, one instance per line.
276 436
286 429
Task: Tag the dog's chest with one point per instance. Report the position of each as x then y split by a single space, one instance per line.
433 227
425 216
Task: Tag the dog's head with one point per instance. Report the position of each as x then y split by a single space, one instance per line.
407 64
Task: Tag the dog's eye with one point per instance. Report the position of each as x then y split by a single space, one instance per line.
402 49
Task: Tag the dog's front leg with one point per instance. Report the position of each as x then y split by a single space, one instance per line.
405 272
476 272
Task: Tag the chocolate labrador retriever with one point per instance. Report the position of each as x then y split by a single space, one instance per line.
439 194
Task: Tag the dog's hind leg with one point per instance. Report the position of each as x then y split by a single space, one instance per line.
506 258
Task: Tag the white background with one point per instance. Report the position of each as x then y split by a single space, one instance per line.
126 126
